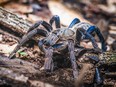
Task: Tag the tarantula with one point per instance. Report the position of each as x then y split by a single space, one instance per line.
61 38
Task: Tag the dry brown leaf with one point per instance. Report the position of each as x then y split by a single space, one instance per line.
83 72
110 8
16 7
112 32
1 38
112 27
3 1
6 49
110 40
34 18
110 2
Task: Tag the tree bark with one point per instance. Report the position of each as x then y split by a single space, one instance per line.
13 22
18 73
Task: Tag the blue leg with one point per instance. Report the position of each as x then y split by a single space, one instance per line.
60 46
75 21
55 19
56 46
87 50
101 38
92 40
43 23
98 79
79 36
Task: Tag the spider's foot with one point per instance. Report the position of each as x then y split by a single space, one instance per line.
48 65
98 79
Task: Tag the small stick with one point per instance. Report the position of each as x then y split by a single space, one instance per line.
79 79
111 74
72 57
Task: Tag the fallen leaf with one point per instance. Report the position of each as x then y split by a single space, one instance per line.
110 40
16 7
34 18
1 38
7 49
112 27
112 32
3 1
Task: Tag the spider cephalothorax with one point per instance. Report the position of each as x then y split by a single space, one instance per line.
61 38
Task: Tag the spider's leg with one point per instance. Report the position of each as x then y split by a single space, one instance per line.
26 38
60 46
43 23
72 57
79 35
82 34
101 38
75 21
41 45
48 64
55 19
92 40
98 78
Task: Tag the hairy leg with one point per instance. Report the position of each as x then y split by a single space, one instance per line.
82 34
92 40
72 57
101 38
55 19
43 23
75 21
26 38
48 64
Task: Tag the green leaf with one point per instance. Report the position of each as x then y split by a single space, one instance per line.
22 53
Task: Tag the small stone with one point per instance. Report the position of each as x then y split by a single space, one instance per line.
36 7
110 40
6 49
1 38
108 48
33 18
112 32
89 45
113 45
112 27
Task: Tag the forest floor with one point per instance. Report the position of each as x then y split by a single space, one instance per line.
99 12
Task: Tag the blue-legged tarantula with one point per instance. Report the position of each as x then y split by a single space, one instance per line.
61 38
